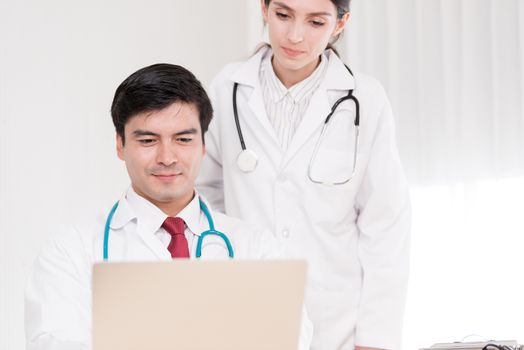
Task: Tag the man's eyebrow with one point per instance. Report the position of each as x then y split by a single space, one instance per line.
187 132
286 7
140 132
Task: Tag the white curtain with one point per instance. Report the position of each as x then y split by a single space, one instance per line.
454 70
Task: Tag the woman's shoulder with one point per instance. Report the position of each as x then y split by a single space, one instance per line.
224 76
239 70
228 70
363 83
369 90
368 84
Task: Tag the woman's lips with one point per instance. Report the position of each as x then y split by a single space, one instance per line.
292 53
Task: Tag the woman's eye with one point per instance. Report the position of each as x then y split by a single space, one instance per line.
317 23
282 15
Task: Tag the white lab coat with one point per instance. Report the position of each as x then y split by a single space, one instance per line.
58 294
355 236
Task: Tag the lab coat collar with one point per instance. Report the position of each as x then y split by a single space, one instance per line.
337 76
149 217
191 215
123 215
247 73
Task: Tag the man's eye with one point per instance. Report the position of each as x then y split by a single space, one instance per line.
146 141
185 139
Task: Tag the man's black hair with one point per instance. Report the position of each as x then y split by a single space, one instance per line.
156 87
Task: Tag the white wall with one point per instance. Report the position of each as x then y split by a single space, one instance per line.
60 63
454 71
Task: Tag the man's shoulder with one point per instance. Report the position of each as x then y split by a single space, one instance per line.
250 241
80 231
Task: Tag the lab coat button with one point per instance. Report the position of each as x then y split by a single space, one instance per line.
285 233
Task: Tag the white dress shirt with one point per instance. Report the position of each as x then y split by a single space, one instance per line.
286 107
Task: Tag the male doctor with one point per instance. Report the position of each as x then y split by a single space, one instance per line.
160 113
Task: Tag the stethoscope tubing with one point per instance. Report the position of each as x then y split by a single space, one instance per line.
198 253
349 96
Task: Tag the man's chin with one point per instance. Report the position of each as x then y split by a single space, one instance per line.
167 197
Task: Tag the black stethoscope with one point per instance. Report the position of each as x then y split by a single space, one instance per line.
247 159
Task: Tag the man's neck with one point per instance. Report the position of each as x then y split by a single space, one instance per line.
169 207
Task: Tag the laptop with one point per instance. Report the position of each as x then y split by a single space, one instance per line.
198 305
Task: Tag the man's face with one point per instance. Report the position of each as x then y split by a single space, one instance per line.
163 151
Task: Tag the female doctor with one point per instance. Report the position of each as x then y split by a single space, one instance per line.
304 146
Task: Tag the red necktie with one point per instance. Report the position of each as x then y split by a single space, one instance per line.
178 246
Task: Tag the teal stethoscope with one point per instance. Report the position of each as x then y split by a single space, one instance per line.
198 253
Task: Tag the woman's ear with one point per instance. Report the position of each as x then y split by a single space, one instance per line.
341 24
264 10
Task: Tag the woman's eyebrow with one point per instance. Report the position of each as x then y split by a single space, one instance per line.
286 7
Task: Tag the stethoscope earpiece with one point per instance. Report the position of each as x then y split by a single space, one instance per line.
247 160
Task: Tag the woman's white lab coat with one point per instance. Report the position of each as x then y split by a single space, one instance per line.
355 236
58 295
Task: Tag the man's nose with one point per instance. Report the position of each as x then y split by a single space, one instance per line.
167 154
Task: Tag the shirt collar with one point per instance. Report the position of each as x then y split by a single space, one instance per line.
298 91
149 217
191 215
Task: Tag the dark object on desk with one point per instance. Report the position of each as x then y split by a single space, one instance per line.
484 345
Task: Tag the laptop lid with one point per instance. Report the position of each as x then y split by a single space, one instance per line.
190 305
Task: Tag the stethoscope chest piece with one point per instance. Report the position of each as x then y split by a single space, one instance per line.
247 160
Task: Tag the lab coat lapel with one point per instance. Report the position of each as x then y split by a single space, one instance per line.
152 242
247 76
312 121
256 104
124 214
337 79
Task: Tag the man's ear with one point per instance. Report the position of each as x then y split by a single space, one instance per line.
119 146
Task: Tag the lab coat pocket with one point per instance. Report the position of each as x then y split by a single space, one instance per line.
333 166
334 157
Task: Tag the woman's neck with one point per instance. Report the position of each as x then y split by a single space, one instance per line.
290 77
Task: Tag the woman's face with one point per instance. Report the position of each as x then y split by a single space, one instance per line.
299 31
